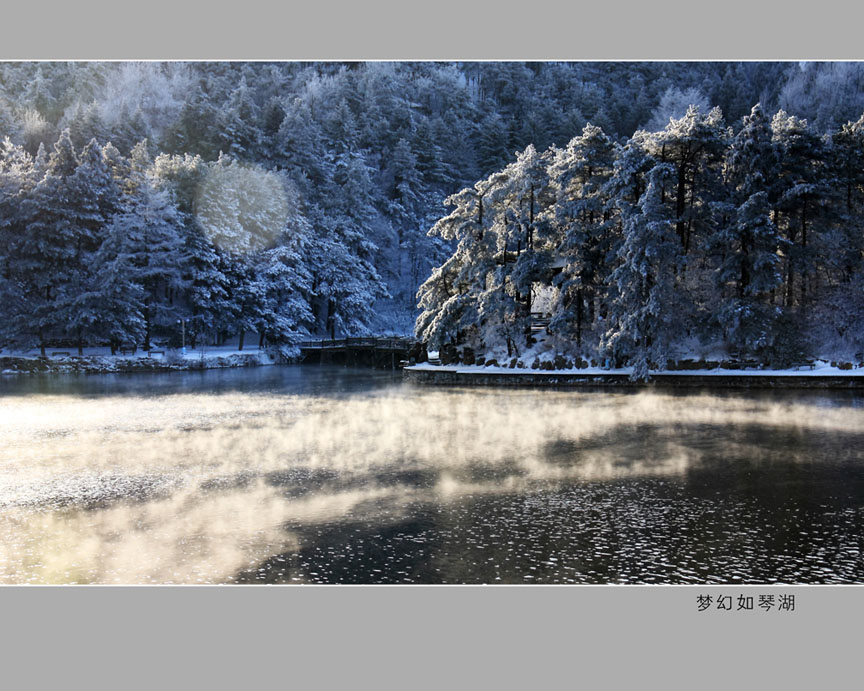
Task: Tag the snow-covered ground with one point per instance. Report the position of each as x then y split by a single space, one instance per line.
101 359
159 352
819 369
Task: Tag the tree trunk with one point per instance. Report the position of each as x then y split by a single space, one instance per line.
147 324
689 229
680 205
745 271
790 270
242 337
579 318
331 318
790 279
804 273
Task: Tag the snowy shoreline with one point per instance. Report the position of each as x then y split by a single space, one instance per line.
157 361
822 375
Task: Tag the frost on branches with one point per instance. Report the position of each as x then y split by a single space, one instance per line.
741 242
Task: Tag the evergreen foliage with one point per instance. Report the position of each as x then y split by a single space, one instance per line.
291 199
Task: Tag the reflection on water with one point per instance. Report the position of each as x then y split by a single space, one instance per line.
308 474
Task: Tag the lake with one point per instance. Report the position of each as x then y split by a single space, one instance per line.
316 474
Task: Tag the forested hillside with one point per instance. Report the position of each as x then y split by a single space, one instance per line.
296 198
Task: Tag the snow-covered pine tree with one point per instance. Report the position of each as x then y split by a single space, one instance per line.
194 130
37 95
493 139
748 242
9 125
347 223
47 257
443 307
84 123
674 105
621 193
405 208
694 146
643 315
302 148
516 200
206 296
431 159
286 282
481 296
242 211
447 299
141 264
579 221
96 196
238 130
17 293
284 273
803 189
847 162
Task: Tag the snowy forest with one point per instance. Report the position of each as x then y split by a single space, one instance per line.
646 209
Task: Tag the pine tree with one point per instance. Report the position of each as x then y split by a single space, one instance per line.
286 281
516 199
38 94
302 149
447 299
238 124
581 222
17 178
195 128
141 265
207 296
802 192
847 161
492 143
406 209
643 312
694 145
94 198
48 258
9 125
749 242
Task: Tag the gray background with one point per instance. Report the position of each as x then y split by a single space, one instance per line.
439 29
447 637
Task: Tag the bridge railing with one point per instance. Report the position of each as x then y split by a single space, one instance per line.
381 343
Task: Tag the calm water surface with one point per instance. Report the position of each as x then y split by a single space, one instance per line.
331 475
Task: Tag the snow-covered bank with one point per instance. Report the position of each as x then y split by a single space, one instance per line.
821 374
100 360
819 369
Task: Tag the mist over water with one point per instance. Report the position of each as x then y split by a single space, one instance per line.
317 474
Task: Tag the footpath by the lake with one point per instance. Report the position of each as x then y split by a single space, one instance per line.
818 375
